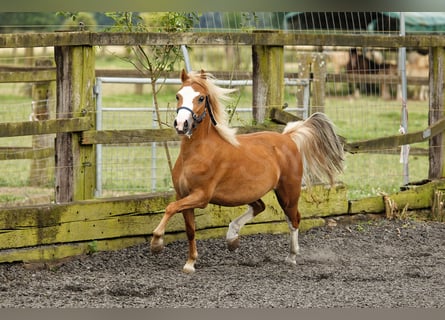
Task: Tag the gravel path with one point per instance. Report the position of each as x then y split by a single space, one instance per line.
372 264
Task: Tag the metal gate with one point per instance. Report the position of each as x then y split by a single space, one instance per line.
101 109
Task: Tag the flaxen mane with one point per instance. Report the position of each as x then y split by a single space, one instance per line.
217 96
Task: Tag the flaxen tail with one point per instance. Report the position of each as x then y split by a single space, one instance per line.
321 148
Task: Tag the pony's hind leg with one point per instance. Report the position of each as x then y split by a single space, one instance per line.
293 217
235 226
294 246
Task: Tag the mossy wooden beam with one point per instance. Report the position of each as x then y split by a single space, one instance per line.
151 135
416 197
281 116
32 75
26 128
9 153
27 76
50 256
397 140
26 40
138 216
129 136
61 230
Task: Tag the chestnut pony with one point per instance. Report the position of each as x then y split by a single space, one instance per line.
217 166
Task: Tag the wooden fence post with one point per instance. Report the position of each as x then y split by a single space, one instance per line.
436 111
318 82
75 163
312 66
268 79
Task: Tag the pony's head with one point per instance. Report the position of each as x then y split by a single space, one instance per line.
198 99
193 103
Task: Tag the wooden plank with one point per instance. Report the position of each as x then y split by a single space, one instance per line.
31 75
416 197
322 200
128 136
396 140
123 226
26 128
281 116
26 40
367 205
50 75
151 135
48 256
57 231
97 209
7 153
27 76
138 216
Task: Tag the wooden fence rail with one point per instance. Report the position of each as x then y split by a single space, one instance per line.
32 74
29 128
85 38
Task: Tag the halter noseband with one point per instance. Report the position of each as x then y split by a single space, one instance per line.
196 118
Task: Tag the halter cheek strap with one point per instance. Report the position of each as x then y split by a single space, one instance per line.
209 107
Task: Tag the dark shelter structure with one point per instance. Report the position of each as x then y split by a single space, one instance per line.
415 22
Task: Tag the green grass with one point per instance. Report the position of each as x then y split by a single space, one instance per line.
129 168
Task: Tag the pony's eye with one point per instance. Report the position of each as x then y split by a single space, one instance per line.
201 99
177 97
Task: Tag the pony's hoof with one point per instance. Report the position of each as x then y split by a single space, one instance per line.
291 260
233 244
156 247
188 269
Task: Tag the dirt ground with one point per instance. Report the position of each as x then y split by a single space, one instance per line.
371 264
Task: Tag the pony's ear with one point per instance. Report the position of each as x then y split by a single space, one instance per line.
203 74
184 75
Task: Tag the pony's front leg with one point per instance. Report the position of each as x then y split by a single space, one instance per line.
157 241
189 219
197 199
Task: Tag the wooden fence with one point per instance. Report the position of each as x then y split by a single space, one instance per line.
78 223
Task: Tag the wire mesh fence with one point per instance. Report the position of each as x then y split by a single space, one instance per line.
360 106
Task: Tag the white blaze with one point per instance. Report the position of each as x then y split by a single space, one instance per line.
187 94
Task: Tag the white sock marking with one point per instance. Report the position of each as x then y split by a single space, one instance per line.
294 246
236 225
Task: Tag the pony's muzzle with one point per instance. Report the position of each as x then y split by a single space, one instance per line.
184 129
184 121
